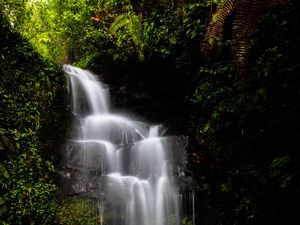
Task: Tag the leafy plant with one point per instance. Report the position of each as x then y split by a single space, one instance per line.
74 211
29 88
129 24
187 221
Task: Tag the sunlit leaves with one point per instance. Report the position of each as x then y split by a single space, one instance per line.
128 26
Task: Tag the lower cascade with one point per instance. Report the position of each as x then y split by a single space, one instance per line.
122 163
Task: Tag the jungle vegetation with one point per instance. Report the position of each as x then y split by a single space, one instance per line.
231 66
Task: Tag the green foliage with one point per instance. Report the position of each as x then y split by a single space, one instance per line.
29 89
61 31
250 140
187 221
75 211
247 145
80 31
127 27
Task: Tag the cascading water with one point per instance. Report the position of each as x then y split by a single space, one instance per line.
130 155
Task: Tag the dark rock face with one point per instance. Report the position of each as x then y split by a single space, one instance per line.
80 183
151 90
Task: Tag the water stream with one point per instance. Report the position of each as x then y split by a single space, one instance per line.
130 155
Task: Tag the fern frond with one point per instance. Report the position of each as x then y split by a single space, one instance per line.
135 27
120 22
213 35
244 25
131 25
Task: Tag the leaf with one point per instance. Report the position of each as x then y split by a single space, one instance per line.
206 128
280 162
285 180
4 171
120 22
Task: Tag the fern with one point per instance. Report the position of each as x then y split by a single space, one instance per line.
213 35
244 25
136 30
130 24
120 22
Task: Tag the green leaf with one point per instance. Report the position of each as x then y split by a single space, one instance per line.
280 162
285 180
4 171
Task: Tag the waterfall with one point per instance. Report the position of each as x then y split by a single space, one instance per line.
130 156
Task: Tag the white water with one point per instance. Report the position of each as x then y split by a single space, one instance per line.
135 162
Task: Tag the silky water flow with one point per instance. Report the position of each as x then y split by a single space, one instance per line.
130 155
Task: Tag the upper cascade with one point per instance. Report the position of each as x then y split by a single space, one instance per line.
87 90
